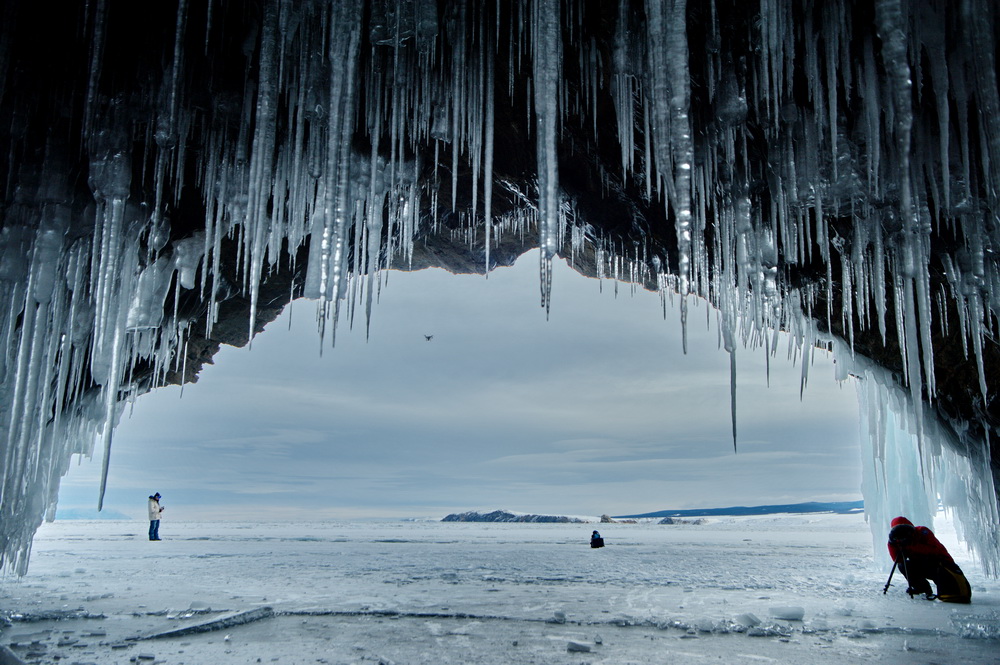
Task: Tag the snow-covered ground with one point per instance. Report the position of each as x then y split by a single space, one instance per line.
430 592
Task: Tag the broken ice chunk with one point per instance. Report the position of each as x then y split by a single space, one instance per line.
788 612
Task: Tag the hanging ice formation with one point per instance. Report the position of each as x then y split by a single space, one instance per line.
175 171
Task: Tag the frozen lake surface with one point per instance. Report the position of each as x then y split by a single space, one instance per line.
728 591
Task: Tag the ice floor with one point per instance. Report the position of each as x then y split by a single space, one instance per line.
430 592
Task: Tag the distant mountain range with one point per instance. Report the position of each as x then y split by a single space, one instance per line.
840 507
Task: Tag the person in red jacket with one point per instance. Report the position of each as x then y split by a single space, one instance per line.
921 557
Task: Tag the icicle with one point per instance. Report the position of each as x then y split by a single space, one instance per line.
94 74
732 392
110 407
547 59
261 160
374 233
330 223
488 130
668 53
889 16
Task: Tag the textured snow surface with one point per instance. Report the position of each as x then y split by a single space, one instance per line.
432 592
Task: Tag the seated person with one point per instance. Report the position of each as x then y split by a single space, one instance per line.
596 540
921 557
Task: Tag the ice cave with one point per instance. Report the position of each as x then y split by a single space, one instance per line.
176 172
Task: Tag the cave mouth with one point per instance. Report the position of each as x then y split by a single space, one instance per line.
594 409
830 171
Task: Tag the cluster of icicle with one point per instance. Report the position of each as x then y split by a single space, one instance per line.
84 287
919 473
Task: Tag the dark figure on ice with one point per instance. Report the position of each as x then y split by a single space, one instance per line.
154 516
596 540
921 557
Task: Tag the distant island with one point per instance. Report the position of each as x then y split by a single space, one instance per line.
89 514
839 507
505 516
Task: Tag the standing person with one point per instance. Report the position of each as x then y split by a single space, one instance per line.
920 557
154 516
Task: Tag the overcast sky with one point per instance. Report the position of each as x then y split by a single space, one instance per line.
594 411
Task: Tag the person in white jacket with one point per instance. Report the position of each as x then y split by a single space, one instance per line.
154 516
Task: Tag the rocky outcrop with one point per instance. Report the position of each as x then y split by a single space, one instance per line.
678 520
607 519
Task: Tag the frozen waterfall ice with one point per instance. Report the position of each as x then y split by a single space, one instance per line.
830 169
